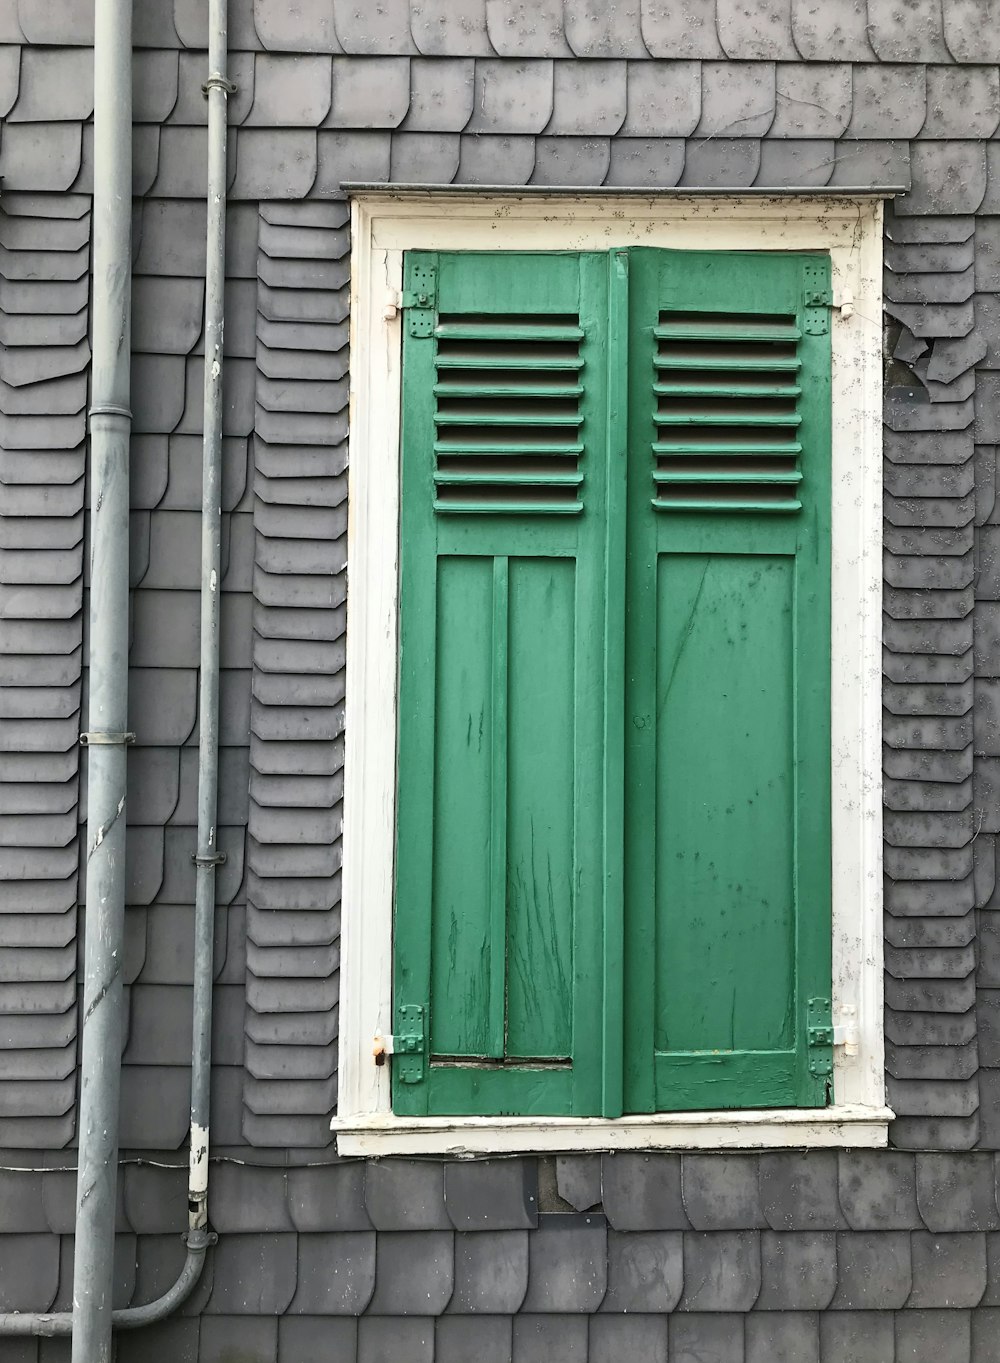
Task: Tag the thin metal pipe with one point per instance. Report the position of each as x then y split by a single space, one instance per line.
47 1324
207 858
92 1321
110 428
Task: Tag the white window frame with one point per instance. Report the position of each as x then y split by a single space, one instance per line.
384 225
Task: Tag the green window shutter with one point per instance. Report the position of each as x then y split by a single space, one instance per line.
613 860
500 905
728 657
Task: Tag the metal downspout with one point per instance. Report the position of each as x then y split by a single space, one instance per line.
110 428
92 1320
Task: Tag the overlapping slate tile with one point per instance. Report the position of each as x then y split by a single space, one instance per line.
674 32
836 30
604 31
42 268
450 28
298 672
931 817
645 1271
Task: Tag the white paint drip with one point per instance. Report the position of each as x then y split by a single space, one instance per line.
198 1178
213 582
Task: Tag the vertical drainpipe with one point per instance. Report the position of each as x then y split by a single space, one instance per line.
208 857
110 426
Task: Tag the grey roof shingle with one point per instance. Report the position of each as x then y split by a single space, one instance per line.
492 1194
598 31
643 1192
571 161
290 91
758 34
486 1338
491 1272
520 29
791 1335
336 1273
738 100
664 99
370 92
641 162
588 98
512 98
645 1271
567 1263
616 1337
450 28
550 1339
55 85
671 32
439 94
812 100
721 1192
416 1273
914 34
722 1270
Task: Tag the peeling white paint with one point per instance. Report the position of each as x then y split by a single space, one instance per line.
771 1129
198 1178
213 581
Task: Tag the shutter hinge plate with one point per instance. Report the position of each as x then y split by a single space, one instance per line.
420 300
409 1044
818 301
820 1037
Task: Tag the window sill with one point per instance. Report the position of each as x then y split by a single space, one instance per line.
780 1128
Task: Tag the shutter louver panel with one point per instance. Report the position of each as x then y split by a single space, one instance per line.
726 410
508 415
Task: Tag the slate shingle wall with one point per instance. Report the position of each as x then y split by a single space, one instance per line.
44 354
737 1259
740 1258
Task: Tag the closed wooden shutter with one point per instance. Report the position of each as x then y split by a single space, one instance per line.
499 908
613 859
728 657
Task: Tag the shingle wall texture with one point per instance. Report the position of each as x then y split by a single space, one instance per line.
737 1259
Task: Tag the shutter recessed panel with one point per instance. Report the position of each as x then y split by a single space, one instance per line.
726 410
508 414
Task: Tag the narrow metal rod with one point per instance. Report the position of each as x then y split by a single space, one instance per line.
217 88
110 426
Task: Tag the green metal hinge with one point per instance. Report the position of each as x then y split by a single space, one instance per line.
820 1036
410 1044
818 300
420 300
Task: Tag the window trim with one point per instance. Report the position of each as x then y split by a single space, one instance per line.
383 226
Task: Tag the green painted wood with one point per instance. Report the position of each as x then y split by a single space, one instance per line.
615 610
499 913
613 864
728 763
